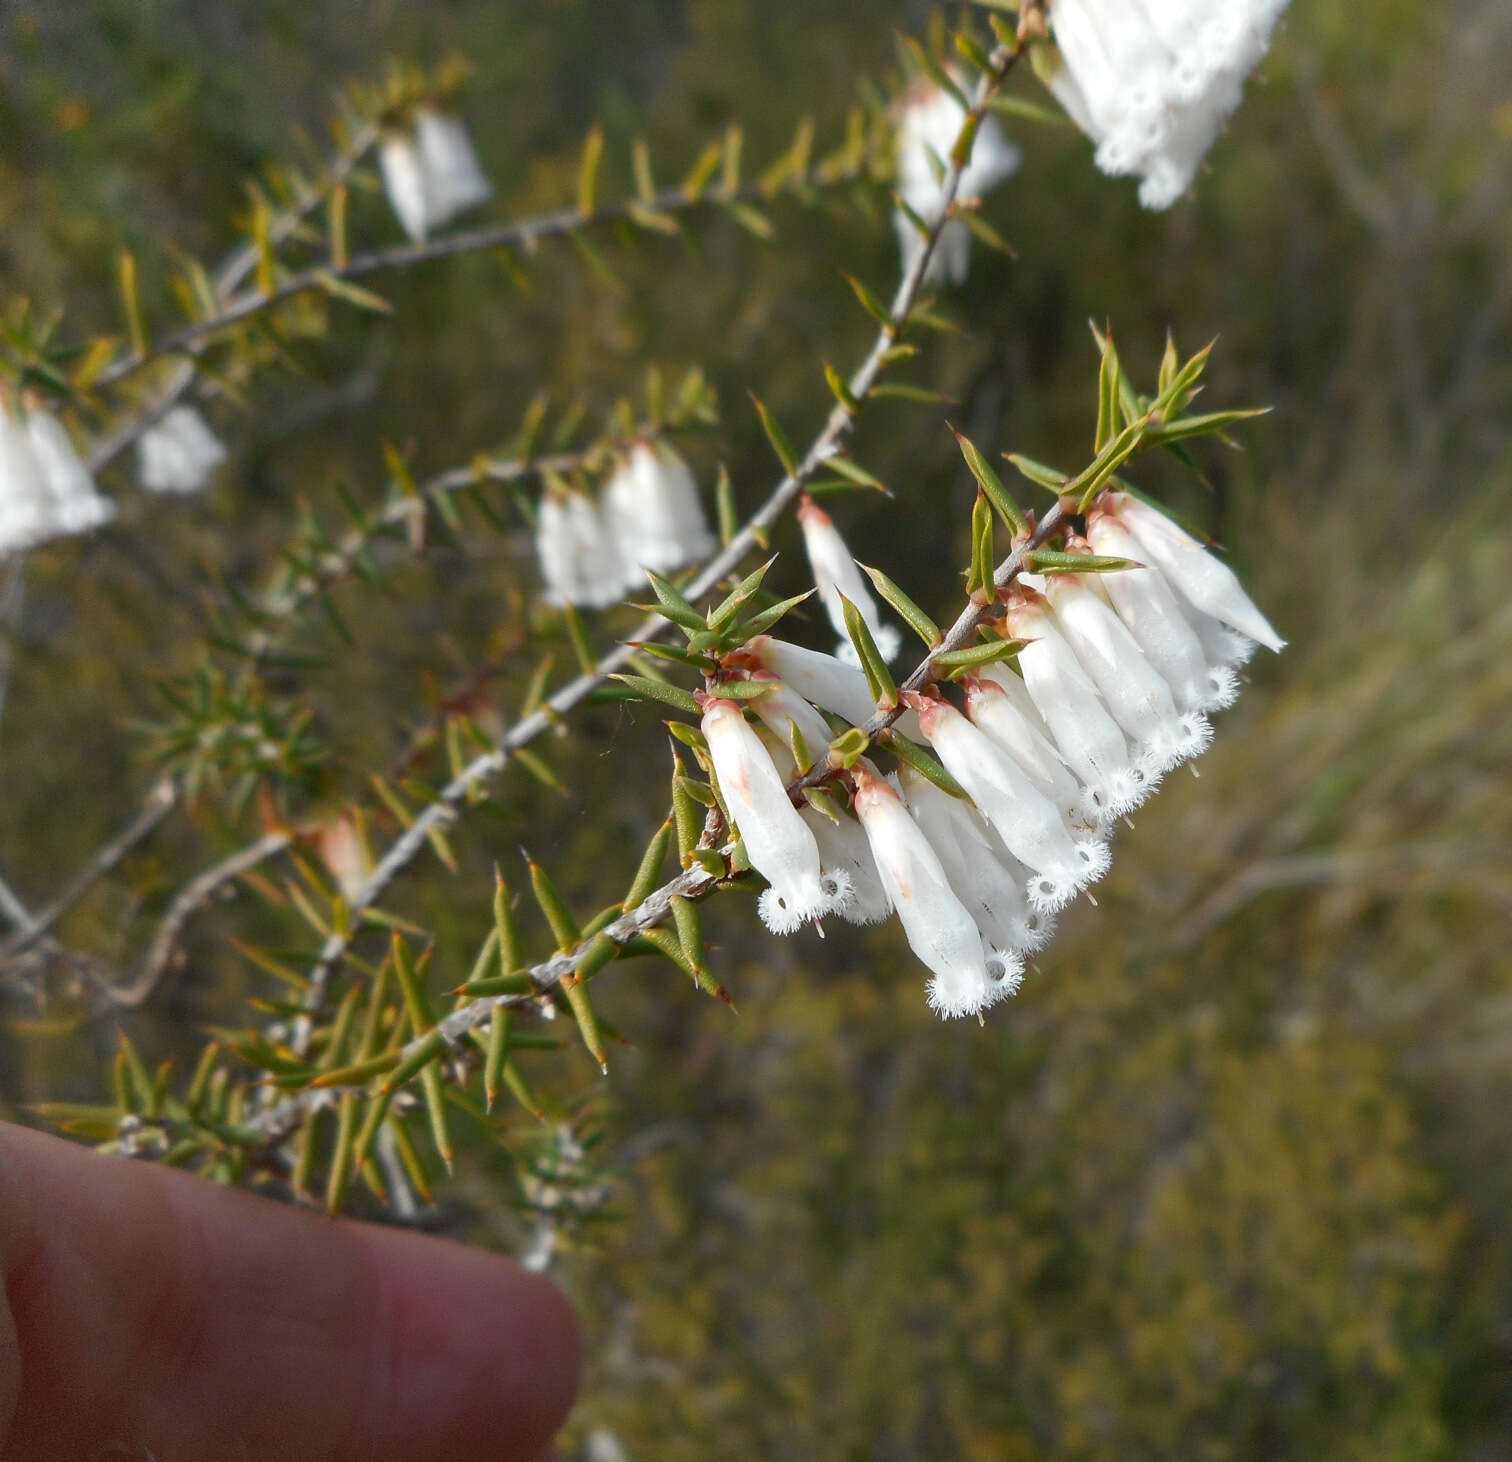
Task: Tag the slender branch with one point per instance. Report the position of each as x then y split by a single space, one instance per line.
231 274
837 426
522 233
155 807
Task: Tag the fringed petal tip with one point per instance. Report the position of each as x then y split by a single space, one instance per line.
1048 892
961 996
1032 934
1119 793
787 910
1005 973
1219 692
1184 740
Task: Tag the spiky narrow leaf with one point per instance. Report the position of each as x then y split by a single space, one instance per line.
1038 473
991 484
724 612
922 762
956 663
1052 561
979 584
921 624
588 170
659 690
649 872
878 677
726 509
777 437
673 605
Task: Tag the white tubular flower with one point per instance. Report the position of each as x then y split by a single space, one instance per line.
1148 606
27 512
781 846
578 561
843 847
342 843
992 711
931 121
1203 580
77 504
179 453
986 877
655 517
1087 737
782 709
1151 82
404 181
836 573
452 176
938 926
824 680
1027 821
1133 689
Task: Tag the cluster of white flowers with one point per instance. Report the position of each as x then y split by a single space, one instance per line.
651 518
929 123
1151 82
1113 689
431 175
178 453
46 489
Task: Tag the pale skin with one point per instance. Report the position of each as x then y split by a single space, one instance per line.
150 1314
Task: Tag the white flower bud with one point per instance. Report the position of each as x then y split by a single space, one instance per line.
781 846
1140 701
986 877
178 453
938 926
578 561
1087 737
1152 83
654 514
822 679
27 513
1202 579
77 504
1148 606
1027 821
929 124
992 711
403 172
342 843
453 177
836 573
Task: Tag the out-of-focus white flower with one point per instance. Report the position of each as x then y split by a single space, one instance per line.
986 877
578 560
1148 606
1136 695
1033 828
178 453
27 509
654 514
452 176
836 573
781 846
1151 82
938 926
1091 742
1204 581
403 171
992 711
343 847
930 122
77 504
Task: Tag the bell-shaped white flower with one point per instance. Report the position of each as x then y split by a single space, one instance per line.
781 846
654 513
819 678
452 176
579 564
843 846
836 573
77 504
938 926
1151 82
27 509
1136 695
930 121
986 877
1197 575
1148 606
1089 740
403 171
1033 828
991 709
178 453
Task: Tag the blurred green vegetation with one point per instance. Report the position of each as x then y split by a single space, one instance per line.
1230 1178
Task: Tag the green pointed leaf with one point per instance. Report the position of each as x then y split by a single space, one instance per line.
649 872
759 624
778 438
923 763
673 605
564 927
914 617
1052 561
850 746
991 484
659 690
588 170
1037 473
870 303
721 616
878 677
352 294
956 663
